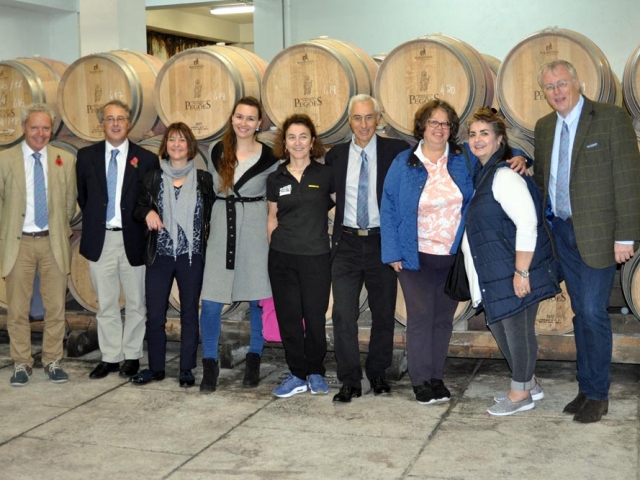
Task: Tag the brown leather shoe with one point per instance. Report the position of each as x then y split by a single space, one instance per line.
574 405
592 411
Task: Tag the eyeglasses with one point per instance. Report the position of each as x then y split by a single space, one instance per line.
435 124
115 119
560 85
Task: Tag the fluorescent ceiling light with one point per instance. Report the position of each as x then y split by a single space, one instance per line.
232 10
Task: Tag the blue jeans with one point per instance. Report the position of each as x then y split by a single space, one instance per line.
210 327
589 290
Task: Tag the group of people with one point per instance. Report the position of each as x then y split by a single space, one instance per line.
255 226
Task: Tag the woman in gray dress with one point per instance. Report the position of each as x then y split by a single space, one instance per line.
237 250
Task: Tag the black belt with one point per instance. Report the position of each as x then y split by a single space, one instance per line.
361 233
231 226
44 233
115 229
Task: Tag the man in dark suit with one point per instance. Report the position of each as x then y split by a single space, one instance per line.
360 167
588 166
109 175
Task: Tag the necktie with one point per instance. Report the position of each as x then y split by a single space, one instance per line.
362 215
563 206
39 194
112 182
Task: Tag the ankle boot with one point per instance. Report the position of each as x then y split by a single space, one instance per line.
210 373
252 370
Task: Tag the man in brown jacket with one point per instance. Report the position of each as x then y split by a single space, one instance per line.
588 166
37 200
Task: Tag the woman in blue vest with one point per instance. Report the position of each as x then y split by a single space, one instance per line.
509 258
426 193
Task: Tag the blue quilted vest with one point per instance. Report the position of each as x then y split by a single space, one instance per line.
492 235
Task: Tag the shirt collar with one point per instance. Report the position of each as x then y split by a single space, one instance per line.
370 148
122 147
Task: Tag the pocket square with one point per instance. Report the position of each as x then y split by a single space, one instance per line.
592 145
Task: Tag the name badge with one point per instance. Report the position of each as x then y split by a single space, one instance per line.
285 190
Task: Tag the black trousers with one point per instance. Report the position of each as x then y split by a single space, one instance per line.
358 261
158 281
300 285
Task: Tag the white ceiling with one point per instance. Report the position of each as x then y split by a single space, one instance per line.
242 18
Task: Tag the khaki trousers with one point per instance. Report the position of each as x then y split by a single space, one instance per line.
35 253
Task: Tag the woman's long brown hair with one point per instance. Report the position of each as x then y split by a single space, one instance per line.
228 162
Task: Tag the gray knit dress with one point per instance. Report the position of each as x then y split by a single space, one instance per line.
248 278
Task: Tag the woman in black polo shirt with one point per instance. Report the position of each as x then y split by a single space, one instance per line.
298 198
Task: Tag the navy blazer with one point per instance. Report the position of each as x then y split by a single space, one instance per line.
93 198
387 149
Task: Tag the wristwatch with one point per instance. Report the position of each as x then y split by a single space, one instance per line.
523 273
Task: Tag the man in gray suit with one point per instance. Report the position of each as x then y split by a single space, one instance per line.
588 166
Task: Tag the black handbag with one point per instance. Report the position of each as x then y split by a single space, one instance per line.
457 284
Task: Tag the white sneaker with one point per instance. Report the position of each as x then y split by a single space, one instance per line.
536 394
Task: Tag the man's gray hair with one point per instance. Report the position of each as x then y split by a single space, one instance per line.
37 107
551 66
363 97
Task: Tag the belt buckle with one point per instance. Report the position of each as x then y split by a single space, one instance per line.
363 233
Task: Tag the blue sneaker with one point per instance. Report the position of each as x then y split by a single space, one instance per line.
290 387
317 385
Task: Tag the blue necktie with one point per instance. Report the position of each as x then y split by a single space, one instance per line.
563 205
112 182
362 215
39 194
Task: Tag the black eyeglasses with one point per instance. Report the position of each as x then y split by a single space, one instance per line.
435 124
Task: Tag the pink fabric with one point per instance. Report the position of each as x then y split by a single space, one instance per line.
439 210
270 329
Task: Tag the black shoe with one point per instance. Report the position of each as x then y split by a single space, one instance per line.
251 370
441 392
103 369
574 405
380 385
129 368
187 379
145 376
210 372
346 393
425 394
592 411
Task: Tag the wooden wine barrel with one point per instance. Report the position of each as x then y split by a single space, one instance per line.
153 145
92 81
72 144
434 66
631 83
523 143
464 311
522 100
24 81
199 87
494 66
630 279
317 78
79 282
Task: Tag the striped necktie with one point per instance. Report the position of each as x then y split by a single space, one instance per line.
563 205
362 212
39 194
112 182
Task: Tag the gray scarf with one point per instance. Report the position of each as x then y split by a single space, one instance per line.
180 211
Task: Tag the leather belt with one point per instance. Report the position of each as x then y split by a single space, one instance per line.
361 233
231 226
44 233
115 229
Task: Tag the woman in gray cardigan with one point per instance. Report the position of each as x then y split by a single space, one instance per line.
237 250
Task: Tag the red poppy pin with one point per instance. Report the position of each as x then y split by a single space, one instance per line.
59 161
134 162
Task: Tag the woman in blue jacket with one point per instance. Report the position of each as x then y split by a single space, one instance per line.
426 193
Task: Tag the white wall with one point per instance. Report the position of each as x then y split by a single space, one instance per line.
491 26
50 34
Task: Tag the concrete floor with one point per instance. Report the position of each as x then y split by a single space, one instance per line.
95 429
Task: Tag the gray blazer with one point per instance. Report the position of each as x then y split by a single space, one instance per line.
605 179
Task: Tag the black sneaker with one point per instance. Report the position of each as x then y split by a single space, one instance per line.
442 393
425 394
